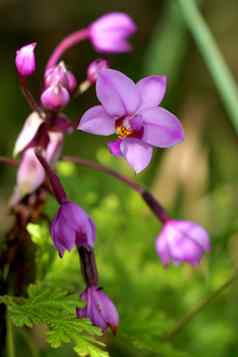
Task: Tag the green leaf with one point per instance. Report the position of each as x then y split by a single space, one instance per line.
55 308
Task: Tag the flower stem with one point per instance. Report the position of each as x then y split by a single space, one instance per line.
10 338
56 185
68 42
215 62
106 170
29 97
8 161
200 306
59 193
155 206
149 199
88 266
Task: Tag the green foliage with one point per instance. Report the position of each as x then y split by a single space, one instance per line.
55 308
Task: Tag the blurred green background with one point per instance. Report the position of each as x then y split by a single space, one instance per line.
195 180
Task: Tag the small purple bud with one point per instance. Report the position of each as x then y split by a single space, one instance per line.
99 309
72 82
59 74
182 241
25 60
55 97
72 227
94 68
110 32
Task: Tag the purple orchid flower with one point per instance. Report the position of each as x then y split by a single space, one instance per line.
132 112
72 227
99 309
182 241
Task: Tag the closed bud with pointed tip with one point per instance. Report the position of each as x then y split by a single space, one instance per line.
25 60
99 309
59 74
94 69
28 132
72 227
55 97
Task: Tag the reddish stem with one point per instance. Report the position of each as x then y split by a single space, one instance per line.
149 199
8 161
102 168
56 185
29 97
88 266
68 42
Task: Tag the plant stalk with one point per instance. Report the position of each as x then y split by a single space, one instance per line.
199 307
214 60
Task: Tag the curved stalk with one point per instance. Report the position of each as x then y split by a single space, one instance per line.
68 42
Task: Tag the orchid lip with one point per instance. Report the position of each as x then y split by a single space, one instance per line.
124 130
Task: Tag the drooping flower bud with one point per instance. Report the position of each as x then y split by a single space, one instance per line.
30 174
99 309
25 60
28 132
182 241
59 74
110 32
55 97
94 68
72 227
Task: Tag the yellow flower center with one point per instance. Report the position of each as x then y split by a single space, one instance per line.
123 132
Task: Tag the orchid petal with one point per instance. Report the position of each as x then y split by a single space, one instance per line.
137 153
117 93
195 232
97 121
161 128
152 90
114 147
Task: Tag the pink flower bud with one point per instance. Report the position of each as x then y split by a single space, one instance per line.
59 74
28 132
25 60
110 32
55 97
94 68
182 242
30 174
